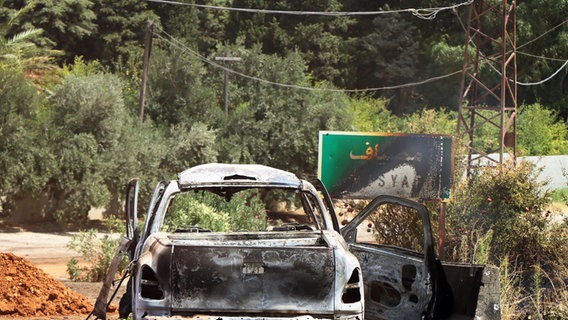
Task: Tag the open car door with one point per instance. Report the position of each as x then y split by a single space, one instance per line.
127 243
392 238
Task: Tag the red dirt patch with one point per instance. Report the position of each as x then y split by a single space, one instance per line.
28 291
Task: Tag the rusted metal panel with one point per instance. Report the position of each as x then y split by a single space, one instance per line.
397 286
252 279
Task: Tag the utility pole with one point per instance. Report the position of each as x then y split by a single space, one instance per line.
147 50
225 61
488 95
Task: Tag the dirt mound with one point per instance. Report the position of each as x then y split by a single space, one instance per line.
28 291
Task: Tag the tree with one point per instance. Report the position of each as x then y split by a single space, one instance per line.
178 92
18 50
278 126
318 39
19 106
540 132
64 23
198 28
542 49
387 56
120 32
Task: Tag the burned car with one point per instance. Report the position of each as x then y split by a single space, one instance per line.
227 241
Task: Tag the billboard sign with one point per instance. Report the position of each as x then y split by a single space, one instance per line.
365 165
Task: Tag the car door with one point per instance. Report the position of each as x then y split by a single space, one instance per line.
126 245
392 239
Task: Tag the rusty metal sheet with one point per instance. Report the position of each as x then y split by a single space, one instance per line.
251 280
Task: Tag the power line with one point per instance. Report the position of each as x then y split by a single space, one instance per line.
182 47
464 28
527 84
543 34
422 13
540 57
544 80
528 54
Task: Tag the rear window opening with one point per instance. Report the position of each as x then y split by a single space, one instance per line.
238 209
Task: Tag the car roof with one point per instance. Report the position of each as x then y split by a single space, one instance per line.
236 174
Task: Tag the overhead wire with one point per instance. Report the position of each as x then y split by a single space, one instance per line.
544 80
422 13
524 53
178 44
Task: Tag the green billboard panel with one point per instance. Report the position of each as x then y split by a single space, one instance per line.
365 165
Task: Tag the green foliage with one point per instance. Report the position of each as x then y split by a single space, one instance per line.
177 92
274 125
430 121
371 115
540 132
320 41
190 212
87 121
19 104
91 105
509 202
499 217
18 49
120 27
195 27
25 159
244 211
97 251
398 226
64 23
189 146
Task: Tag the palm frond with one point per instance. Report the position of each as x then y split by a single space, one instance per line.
25 35
22 11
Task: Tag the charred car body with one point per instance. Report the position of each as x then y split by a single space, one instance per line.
253 242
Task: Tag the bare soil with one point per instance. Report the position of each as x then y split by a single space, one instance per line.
33 279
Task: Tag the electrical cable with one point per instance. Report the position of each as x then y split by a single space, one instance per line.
524 53
182 47
544 80
422 13
543 34
539 57
528 84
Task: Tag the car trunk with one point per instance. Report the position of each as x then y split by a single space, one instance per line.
279 273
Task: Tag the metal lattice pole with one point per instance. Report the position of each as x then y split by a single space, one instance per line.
488 92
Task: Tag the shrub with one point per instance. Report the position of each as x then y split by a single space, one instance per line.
189 212
499 215
509 201
97 251
209 211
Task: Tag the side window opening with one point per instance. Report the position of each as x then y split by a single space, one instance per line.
393 225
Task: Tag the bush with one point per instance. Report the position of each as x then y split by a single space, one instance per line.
540 132
209 211
190 212
499 216
97 251
509 201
